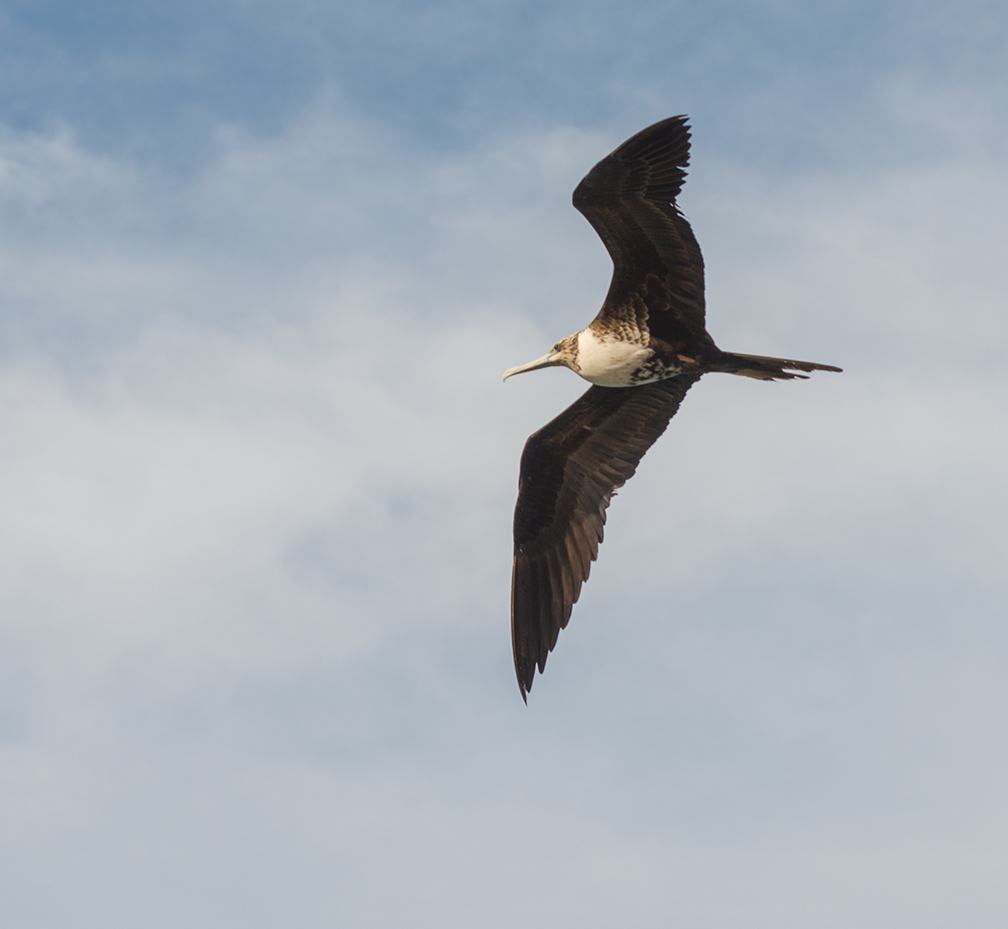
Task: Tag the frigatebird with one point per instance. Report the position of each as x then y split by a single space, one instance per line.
643 351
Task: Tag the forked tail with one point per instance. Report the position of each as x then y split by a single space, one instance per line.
768 369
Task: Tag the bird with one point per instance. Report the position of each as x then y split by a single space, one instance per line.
644 350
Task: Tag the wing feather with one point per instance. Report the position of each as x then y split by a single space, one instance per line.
658 273
569 471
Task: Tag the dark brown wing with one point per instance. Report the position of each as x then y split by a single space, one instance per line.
629 198
569 471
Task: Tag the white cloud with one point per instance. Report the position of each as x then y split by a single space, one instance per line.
258 471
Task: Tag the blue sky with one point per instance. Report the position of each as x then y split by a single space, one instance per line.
262 267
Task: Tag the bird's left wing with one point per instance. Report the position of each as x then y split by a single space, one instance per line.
629 197
569 471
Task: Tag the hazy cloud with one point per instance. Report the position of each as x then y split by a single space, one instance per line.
258 469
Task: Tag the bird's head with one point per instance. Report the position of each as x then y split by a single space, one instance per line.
565 353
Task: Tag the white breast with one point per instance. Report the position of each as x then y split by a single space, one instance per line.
612 362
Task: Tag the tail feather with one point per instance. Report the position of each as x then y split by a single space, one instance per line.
769 369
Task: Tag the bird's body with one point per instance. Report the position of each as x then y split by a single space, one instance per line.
646 347
601 357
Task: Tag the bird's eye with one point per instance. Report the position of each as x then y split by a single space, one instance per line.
556 347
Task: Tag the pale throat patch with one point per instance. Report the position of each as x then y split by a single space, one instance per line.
617 363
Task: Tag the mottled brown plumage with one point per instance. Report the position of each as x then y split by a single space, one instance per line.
650 342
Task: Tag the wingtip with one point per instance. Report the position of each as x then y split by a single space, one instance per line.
523 686
522 689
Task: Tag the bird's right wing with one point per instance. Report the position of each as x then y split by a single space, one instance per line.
569 471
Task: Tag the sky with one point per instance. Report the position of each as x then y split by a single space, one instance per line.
263 265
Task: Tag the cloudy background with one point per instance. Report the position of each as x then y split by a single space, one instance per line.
261 267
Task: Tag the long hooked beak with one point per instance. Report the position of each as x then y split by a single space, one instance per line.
548 360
